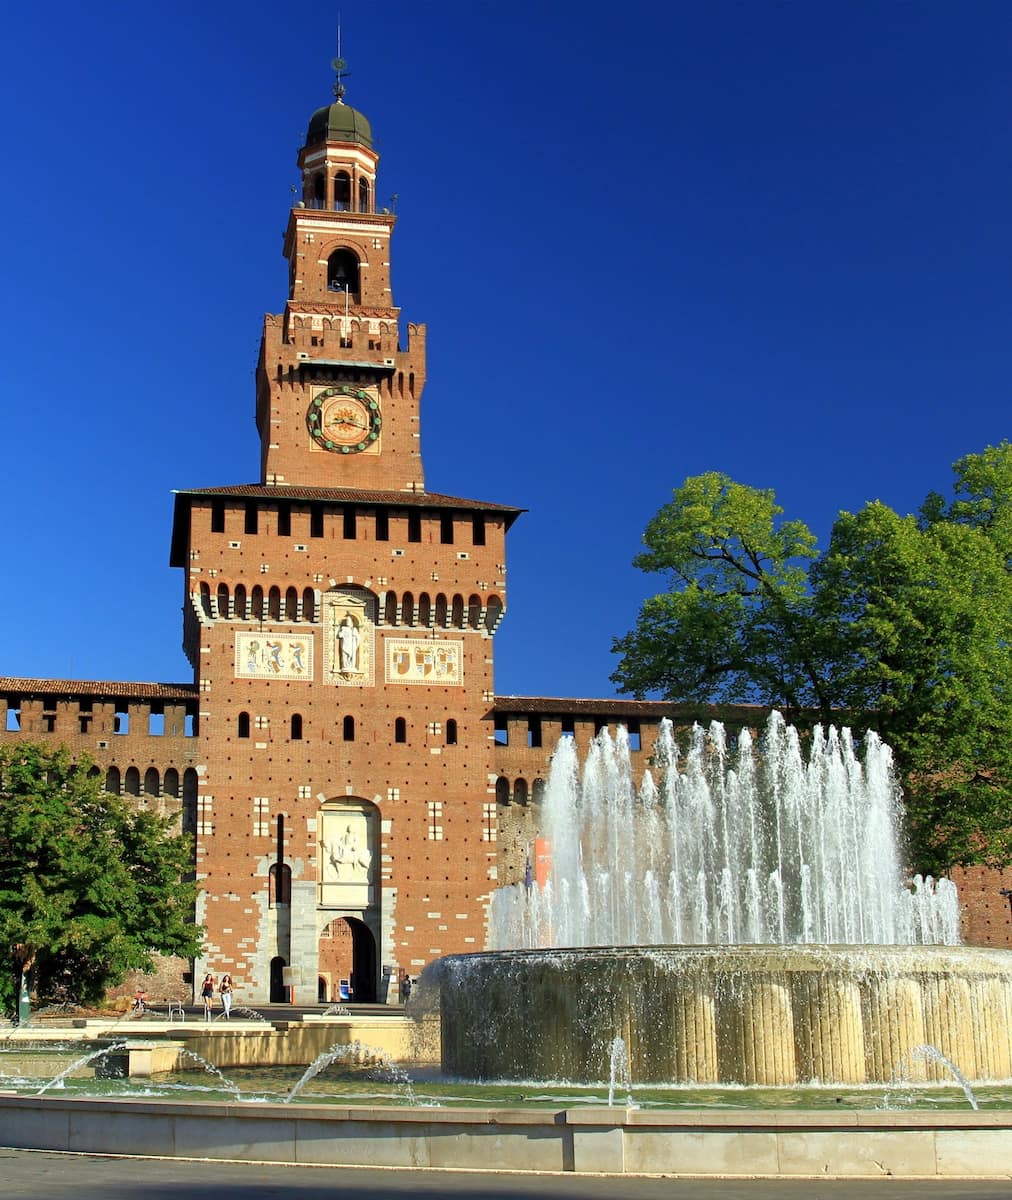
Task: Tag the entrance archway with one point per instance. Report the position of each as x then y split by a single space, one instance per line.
348 961
279 993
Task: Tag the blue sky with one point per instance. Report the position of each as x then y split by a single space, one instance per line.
648 239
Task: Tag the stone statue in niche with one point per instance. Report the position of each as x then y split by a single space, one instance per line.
348 641
349 638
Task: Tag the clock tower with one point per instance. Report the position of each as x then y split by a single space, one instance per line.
337 395
340 619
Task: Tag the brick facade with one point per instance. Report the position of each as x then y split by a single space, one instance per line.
354 787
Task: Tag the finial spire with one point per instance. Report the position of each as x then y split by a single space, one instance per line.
340 68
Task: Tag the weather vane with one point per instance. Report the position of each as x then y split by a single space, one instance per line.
340 67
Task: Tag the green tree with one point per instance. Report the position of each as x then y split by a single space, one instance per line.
89 887
904 624
736 620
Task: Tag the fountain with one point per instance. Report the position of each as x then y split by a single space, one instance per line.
751 859
744 920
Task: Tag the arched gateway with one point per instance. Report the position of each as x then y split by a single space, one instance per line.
348 908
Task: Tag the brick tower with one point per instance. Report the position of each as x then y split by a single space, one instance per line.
340 622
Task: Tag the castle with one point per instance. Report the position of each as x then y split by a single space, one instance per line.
354 786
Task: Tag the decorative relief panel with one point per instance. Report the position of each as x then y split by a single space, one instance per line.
273 656
348 618
346 856
418 660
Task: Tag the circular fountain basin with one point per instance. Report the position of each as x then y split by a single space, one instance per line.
765 1015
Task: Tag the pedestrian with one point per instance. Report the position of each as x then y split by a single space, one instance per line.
225 992
206 992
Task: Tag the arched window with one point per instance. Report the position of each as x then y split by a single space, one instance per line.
317 192
242 725
296 727
520 792
257 603
493 612
390 608
408 609
474 611
502 790
441 610
538 791
205 599
222 601
457 619
274 604
451 732
240 602
342 272
151 782
348 729
112 781
132 782
424 609
308 605
170 784
342 191
291 604
279 885
400 730
363 196
189 814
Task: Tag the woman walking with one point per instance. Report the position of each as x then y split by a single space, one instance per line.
206 993
225 992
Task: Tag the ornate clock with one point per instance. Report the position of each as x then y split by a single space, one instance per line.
344 419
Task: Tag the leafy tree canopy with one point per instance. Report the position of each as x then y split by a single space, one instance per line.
903 624
89 887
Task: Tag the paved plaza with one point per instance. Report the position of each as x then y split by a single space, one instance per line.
43 1175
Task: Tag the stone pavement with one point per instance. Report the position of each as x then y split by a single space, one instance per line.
43 1175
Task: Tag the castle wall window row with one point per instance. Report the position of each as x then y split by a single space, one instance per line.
347 522
252 603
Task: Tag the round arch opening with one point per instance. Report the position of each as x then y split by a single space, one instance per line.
347 958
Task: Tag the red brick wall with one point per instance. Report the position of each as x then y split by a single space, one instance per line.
987 918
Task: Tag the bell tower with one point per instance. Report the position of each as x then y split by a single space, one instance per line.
337 394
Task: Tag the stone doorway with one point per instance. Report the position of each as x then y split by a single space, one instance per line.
347 957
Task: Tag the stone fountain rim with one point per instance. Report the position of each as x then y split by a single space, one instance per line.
796 957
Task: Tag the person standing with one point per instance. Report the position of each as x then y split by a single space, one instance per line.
206 994
225 992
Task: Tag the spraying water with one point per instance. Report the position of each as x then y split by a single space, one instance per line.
212 1070
355 1052
726 847
933 1054
618 1072
57 1080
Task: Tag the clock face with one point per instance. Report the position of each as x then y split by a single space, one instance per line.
344 419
